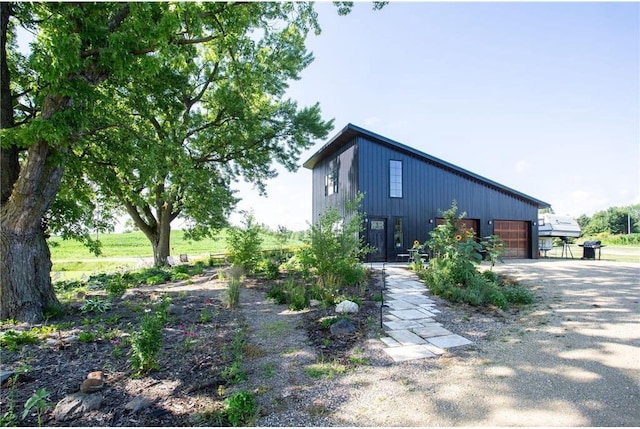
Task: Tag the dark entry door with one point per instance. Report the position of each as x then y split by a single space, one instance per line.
378 239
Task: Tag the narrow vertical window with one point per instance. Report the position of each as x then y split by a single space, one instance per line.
331 180
395 179
397 234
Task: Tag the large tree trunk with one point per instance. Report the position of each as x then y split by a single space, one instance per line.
26 290
161 251
157 231
25 262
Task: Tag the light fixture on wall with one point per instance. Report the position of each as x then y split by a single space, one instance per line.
490 222
534 224
430 220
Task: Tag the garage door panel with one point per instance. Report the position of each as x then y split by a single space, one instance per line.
515 235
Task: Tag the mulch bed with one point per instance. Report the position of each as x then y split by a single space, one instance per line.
188 386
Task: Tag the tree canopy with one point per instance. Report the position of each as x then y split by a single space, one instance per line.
214 115
154 86
614 220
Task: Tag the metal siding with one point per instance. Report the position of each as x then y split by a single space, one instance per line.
427 191
347 181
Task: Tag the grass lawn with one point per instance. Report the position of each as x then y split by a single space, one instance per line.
72 260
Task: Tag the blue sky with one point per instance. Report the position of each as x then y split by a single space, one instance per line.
541 97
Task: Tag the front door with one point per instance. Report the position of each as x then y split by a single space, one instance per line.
377 238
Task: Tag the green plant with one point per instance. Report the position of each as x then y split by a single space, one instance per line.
494 248
268 370
9 418
297 297
12 339
115 286
326 322
323 369
180 276
235 372
335 247
241 408
233 292
86 337
518 295
452 272
243 244
37 401
205 315
358 359
96 305
269 268
147 341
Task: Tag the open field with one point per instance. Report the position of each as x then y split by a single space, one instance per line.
72 260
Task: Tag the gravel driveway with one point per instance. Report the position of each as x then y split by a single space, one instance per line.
573 359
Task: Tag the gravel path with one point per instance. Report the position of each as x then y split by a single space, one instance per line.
573 359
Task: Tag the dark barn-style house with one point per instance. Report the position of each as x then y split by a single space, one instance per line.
406 192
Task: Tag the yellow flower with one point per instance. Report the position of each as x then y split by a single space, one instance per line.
458 237
416 243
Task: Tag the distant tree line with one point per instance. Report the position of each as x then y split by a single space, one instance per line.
614 220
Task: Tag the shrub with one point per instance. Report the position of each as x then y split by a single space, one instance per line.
269 268
241 408
518 295
334 246
147 341
452 272
278 294
290 292
115 286
243 244
297 297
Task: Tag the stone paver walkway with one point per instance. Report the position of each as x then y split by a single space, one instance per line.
409 319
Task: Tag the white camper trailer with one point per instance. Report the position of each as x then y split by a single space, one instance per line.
552 226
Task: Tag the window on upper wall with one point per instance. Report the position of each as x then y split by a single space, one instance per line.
395 179
331 181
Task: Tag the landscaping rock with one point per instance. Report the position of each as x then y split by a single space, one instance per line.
74 406
314 303
347 306
4 375
93 383
176 310
343 327
138 403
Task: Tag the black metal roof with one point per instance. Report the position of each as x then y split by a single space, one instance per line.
350 132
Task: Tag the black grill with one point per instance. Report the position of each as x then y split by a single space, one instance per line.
589 249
